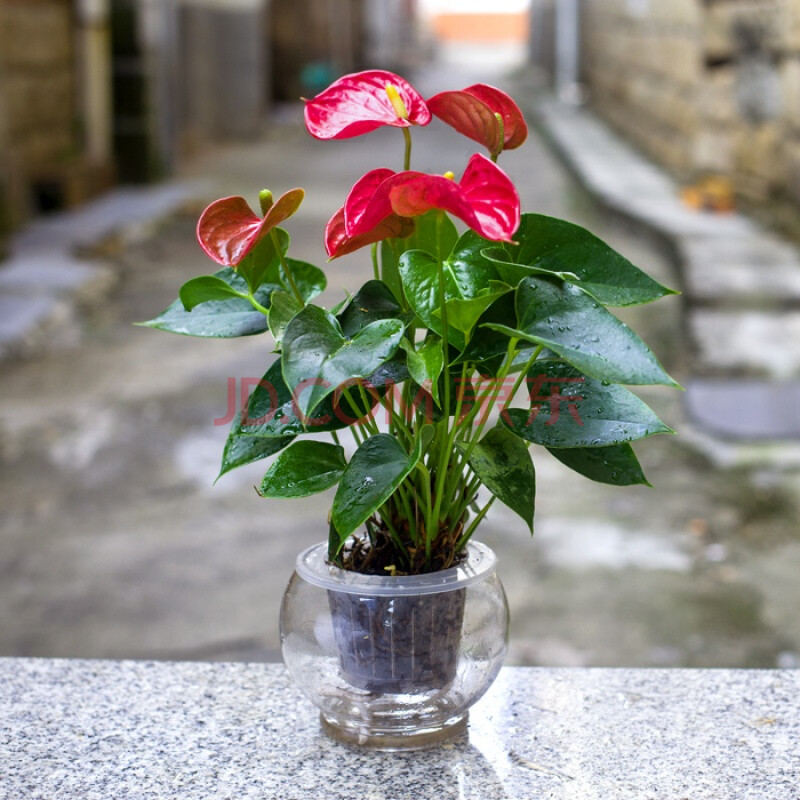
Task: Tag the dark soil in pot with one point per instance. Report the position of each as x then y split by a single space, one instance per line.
402 644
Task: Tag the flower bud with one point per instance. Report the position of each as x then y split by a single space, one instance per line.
265 201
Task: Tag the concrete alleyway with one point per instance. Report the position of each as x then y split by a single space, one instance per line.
114 543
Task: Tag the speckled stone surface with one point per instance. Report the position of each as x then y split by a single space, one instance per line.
98 730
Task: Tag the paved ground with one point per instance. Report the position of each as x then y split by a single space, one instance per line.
114 543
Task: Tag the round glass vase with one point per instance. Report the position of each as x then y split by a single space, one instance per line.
394 662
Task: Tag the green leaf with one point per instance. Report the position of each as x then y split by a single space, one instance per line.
471 272
205 288
221 319
490 343
434 232
306 468
560 246
262 263
616 465
375 471
574 325
512 273
241 449
271 411
425 364
504 466
490 347
310 280
583 412
373 301
436 241
420 274
284 307
470 286
390 252
317 357
464 314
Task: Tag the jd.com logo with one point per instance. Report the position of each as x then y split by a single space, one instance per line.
486 394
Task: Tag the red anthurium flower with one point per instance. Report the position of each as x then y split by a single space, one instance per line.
485 199
473 111
338 243
363 101
228 230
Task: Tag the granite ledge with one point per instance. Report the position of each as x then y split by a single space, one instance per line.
127 729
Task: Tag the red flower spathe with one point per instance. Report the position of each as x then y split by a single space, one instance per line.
472 112
359 103
485 199
228 230
378 204
338 243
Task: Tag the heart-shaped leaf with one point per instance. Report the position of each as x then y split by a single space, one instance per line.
491 343
504 466
425 364
560 246
317 357
305 468
221 319
616 465
263 263
205 288
463 315
310 280
569 409
282 310
241 449
373 301
434 232
470 271
375 471
271 410
512 273
465 278
390 252
569 322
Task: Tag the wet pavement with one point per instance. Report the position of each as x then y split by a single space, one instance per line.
114 543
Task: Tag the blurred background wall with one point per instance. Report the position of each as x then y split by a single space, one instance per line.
50 155
94 92
704 87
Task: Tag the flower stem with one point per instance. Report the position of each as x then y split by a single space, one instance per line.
474 524
499 380
285 265
445 445
375 270
407 157
256 305
523 373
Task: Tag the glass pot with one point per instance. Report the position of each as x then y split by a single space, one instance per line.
394 662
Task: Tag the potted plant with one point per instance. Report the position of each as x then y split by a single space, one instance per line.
463 349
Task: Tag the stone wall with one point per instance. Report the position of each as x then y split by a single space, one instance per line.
702 86
37 85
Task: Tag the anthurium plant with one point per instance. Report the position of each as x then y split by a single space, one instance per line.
481 332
